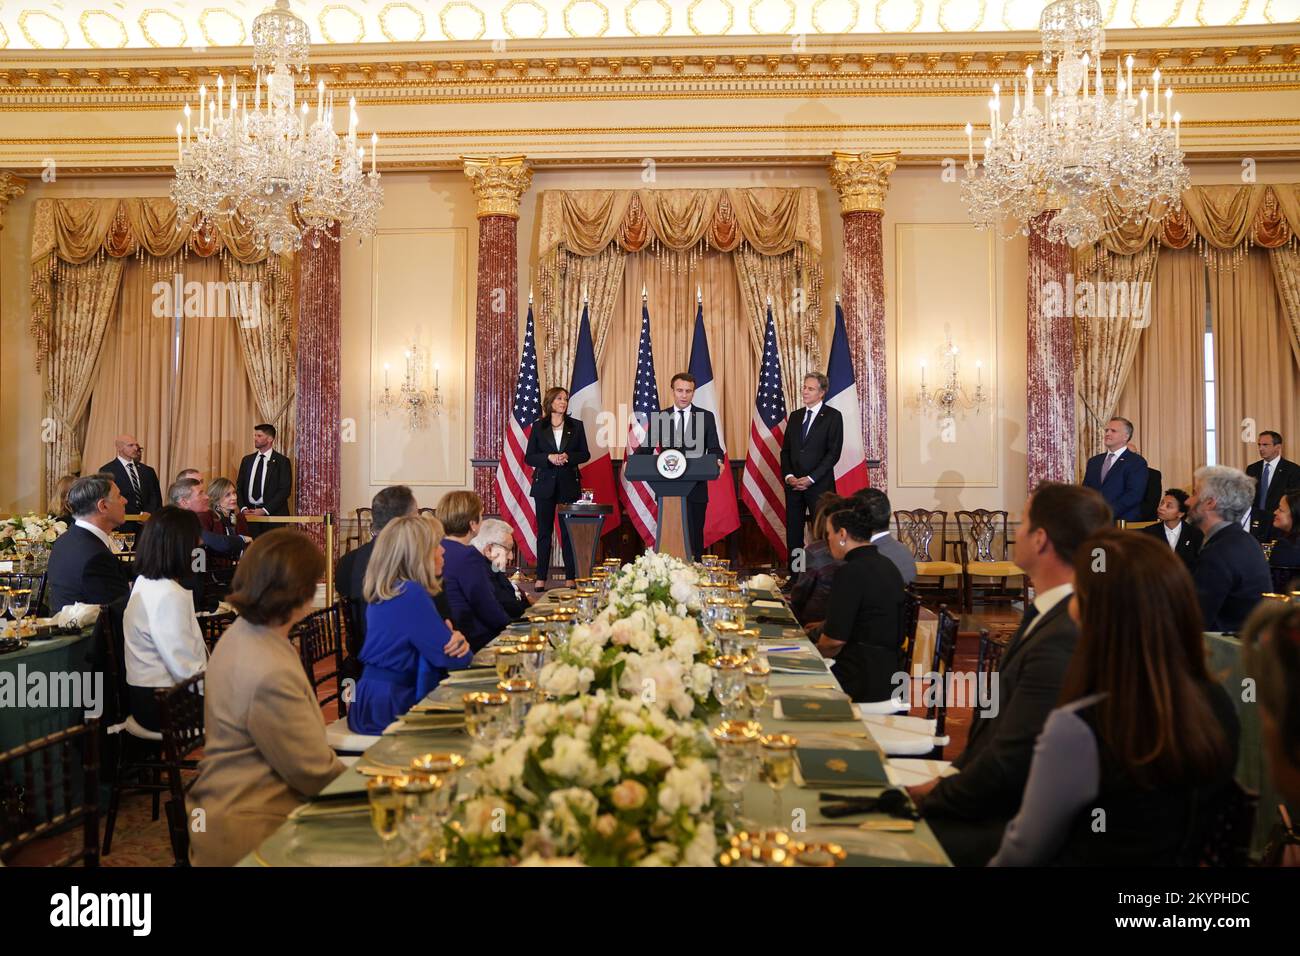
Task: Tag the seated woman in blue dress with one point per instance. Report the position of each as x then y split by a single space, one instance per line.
468 577
409 648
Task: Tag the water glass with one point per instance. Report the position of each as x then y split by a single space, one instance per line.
485 712
519 692
418 823
20 602
777 767
757 674
728 682
387 808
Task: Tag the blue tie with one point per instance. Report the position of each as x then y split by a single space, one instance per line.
807 423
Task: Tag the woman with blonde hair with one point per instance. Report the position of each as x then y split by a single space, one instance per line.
223 517
59 501
408 649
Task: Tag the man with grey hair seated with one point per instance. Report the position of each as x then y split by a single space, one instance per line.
496 542
83 566
1231 570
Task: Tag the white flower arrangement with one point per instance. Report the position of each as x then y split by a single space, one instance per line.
596 780
655 578
19 532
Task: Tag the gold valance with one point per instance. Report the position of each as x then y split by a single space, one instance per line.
771 220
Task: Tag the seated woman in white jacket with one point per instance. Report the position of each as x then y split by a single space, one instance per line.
164 644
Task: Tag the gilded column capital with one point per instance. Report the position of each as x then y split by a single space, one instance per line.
499 182
11 187
862 179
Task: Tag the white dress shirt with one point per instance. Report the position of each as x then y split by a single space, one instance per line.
1173 534
1047 600
252 478
98 533
809 413
164 645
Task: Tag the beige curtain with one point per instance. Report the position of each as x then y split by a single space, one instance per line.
1256 371
1286 276
793 282
1164 396
82 306
264 327
671 297
1105 342
599 277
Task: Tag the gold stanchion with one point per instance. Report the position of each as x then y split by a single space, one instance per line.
327 520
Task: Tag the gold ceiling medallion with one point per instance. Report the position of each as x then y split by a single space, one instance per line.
631 27
445 18
158 18
848 27
34 17
391 27
705 31
1236 18
1020 14
90 34
783 30
1268 14
336 13
1139 22
518 31
961 27
569 11
213 33
918 9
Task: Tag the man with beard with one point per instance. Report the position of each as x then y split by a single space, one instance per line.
496 542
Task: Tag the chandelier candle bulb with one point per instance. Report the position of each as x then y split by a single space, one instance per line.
1178 133
1169 104
374 151
1029 93
180 149
1143 97
1155 79
187 122
1128 62
221 92
970 146
923 373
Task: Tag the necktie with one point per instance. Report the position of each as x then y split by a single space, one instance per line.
1263 487
257 480
807 423
1105 467
681 429
135 478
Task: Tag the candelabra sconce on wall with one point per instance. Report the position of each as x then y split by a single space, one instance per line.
951 395
411 399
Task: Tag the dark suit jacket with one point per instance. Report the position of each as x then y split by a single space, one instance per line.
816 457
510 602
277 483
702 423
150 497
467 582
1231 574
995 764
561 482
1285 475
83 569
1189 541
1125 485
1151 499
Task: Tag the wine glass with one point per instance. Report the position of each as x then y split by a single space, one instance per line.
778 767
757 672
387 808
20 602
734 740
507 661
419 795
728 682
446 767
484 713
519 692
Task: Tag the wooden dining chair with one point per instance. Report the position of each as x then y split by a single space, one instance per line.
926 534
41 795
213 626
985 534
908 620
180 711
321 638
23 581
363 526
945 650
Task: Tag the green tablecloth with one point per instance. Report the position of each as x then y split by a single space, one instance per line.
21 724
350 841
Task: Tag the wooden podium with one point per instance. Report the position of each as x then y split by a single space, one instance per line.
583 520
672 534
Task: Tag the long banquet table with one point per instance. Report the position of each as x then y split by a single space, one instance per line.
349 840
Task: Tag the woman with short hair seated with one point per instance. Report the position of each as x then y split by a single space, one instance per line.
408 649
162 642
813 586
861 631
467 576
1146 739
264 751
223 515
1271 638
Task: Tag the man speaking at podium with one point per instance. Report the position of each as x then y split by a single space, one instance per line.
694 432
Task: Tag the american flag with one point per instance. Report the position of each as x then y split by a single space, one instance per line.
637 495
762 489
514 478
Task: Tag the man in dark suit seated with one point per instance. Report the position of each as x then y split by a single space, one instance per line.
1231 571
265 480
1119 474
496 542
395 501
814 437
969 811
137 483
1173 528
83 567
1273 474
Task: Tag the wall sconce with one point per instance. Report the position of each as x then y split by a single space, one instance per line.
412 399
951 394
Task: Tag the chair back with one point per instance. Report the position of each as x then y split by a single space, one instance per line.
981 528
917 529
109 641
992 644
213 626
320 638
908 619
1226 838
945 649
35 583
363 525
48 785
180 714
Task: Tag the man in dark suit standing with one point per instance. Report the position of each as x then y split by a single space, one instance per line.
694 431
814 437
1273 474
1119 474
137 483
1173 528
265 480
1231 571
969 811
83 567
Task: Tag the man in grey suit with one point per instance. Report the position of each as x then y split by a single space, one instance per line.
969 811
879 512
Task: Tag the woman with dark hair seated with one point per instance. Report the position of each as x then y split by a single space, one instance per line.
1271 638
1284 561
162 639
264 751
1145 738
1173 528
861 631
813 586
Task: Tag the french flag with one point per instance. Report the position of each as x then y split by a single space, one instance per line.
723 514
851 469
585 405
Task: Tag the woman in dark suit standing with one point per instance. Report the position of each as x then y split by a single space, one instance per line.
556 447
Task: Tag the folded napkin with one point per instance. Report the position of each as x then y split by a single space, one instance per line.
914 771
773 604
761 582
77 615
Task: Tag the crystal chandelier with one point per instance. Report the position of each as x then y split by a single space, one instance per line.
418 404
1098 161
278 167
951 394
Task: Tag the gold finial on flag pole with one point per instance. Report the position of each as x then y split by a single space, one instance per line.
530 295
699 294
837 297
643 292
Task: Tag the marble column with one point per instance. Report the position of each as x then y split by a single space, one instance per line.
862 180
1049 377
499 183
316 457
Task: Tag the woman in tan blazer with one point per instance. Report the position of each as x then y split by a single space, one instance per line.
265 749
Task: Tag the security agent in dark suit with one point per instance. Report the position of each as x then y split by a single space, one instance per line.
136 482
265 480
557 445
1119 474
694 431
1231 571
969 811
814 437
1173 528
82 567
1273 474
